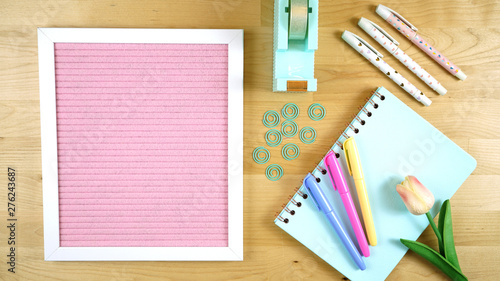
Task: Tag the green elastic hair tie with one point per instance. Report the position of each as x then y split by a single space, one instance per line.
312 112
290 107
273 137
258 157
289 132
274 172
290 151
271 119
303 135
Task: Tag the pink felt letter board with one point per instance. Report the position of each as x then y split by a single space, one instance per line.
142 136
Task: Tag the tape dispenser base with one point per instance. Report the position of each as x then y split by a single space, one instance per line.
295 42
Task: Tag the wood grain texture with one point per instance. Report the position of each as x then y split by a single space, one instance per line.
466 31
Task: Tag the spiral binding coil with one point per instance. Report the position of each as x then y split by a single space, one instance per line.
361 121
345 135
379 95
337 155
354 129
374 104
368 113
296 203
303 195
292 212
338 144
322 170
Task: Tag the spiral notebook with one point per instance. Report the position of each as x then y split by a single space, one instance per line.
393 142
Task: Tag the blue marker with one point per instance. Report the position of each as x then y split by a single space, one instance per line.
323 205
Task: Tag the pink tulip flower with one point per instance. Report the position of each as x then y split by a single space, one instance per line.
417 198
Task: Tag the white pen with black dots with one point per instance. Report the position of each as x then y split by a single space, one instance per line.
373 56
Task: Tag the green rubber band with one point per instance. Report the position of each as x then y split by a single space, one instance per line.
277 137
271 119
286 111
257 152
293 128
312 112
290 151
303 135
274 172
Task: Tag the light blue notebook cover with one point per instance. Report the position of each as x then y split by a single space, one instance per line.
394 142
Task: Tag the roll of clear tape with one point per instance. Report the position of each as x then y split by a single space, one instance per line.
297 20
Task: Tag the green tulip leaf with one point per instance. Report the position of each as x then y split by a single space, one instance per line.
448 241
442 215
438 233
435 258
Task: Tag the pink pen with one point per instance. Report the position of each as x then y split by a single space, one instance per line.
410 32
339 184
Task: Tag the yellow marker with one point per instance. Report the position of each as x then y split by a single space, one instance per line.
354 166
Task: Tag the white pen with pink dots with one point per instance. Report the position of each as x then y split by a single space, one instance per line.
373 56
392 46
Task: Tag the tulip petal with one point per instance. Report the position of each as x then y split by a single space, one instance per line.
418 199
421 190
412 201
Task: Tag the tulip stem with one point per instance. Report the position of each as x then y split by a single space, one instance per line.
436 231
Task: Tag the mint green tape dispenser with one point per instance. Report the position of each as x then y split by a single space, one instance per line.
295 41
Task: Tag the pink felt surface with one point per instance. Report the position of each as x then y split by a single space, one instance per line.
142 144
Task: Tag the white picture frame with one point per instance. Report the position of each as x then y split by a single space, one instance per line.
53 251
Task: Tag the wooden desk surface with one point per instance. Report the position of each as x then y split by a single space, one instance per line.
466 31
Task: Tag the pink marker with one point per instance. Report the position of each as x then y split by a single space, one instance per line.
340 185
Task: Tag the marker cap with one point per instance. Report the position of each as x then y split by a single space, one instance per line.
460 75
440 89
383 11
425 100
364 24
